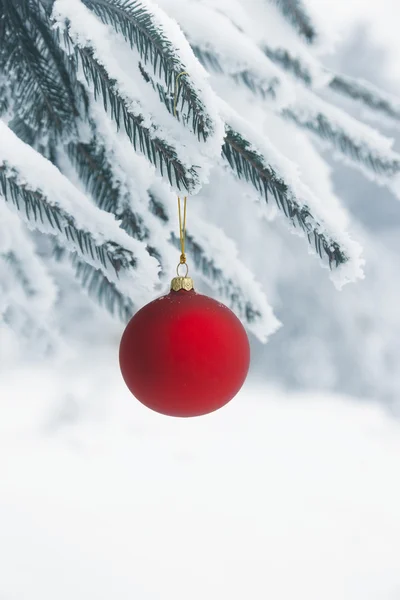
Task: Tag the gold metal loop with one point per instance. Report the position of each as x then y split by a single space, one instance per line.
182 265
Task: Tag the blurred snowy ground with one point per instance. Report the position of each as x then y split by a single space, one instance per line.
277 495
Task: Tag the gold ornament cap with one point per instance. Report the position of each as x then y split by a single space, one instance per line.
182 283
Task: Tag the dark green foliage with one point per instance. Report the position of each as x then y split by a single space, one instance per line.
94 169
293 65
157 208
250 165
296 13
320 125
35 67
37 209
159 152
367 94
102 290
20 273
142 31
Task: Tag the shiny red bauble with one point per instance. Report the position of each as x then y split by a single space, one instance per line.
184 354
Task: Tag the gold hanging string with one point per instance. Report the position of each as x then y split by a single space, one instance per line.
177 89
182 222
182 229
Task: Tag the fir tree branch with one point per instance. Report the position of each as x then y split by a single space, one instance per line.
33 64
103 291
364 146
36 209
291 64
143 138
49 202
263 87
139 25
295 12
20 273
358 90
359 143
28 271
365 92
95 171
250 166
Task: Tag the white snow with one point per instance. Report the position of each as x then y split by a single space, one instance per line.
121 63
276 495
38 174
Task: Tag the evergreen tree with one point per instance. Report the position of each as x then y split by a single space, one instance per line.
108 112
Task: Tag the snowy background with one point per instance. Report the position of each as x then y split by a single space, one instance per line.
292 490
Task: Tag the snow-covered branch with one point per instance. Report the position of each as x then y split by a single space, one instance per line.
161 45
49 202
254 159
113 69
371 96
35 68
102 290
296 13
362 145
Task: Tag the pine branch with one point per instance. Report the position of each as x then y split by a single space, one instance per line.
289 63
358 90
143 138
33 64
365 92
49 202
36 209
95 171
295 12
5 96
27 270
250 166
364 146
263 87
142 28
18 269
103 291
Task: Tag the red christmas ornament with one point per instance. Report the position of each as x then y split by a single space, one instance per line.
184 354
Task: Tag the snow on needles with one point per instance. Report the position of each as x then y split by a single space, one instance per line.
16 245
332 220
36 173
235 51
121 62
